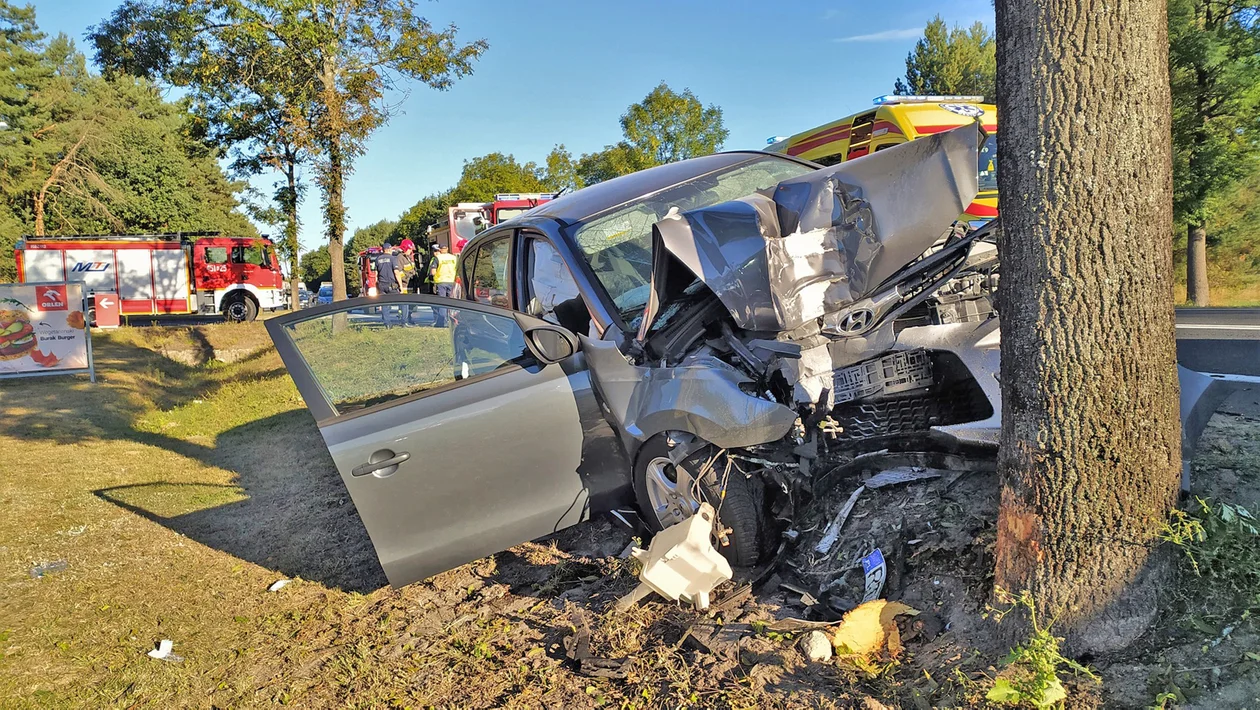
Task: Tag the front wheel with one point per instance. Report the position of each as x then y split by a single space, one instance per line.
669 493
240 309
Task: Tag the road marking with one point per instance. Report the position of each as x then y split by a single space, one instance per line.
1208 326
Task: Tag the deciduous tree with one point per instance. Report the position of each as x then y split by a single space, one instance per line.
1089 460
330 64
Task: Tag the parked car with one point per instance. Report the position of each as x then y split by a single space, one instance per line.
723 328
325 295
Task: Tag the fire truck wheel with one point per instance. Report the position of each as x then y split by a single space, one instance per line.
240 308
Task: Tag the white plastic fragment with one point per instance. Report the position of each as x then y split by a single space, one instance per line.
816 646
278 585
681 563
163 652
832 532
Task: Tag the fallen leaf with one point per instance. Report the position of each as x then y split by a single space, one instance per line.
871 627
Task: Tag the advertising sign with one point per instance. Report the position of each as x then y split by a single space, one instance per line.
43 330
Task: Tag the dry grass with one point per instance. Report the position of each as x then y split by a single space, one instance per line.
178 494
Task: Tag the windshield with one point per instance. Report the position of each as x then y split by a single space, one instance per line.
618 243
988 164
325 290
507 213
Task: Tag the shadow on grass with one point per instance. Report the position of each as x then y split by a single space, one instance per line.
286 510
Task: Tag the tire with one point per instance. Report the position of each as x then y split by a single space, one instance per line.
240 308
742 510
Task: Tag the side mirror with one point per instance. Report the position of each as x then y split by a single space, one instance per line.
551 343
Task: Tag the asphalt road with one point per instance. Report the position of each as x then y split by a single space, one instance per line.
1225 340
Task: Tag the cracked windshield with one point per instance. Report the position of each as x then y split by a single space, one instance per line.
618 244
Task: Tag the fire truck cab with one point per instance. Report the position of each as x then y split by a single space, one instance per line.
465 220
163 274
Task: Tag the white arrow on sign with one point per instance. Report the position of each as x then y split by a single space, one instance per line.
106 303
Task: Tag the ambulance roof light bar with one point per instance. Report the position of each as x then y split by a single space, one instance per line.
891 99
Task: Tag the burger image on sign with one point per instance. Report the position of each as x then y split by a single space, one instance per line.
17 337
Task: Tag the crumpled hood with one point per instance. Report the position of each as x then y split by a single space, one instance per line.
815 244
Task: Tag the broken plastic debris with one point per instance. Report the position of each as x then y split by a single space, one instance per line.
816 646
681 563
876 572
278 585
163 652
48 568
902 474
870 628
832 533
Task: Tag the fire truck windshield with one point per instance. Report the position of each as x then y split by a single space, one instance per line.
504 214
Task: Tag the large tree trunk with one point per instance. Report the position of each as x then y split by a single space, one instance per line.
1090 447
1196 266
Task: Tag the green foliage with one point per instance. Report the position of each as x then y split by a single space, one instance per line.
88 154
320 67
372 235
1214 65
315 267
957 61
414 223
664 127
1030 672
488 175
667 126
1221 544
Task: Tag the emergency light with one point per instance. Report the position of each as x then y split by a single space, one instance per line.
891 99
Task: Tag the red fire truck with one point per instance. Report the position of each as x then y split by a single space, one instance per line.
160 274
465 219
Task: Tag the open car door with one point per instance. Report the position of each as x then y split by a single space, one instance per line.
456 440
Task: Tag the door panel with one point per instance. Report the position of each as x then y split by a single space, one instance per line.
450 451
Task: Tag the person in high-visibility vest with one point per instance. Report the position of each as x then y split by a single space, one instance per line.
443 281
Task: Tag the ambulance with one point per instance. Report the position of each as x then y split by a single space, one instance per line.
897 119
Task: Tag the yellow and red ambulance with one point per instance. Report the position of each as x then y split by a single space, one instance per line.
897 119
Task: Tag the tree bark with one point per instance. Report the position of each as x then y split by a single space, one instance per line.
335 217
1196 266
291 229
1090 447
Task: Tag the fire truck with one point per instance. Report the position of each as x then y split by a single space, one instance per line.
465 219
163 274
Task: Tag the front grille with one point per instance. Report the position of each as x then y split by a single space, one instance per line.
954 398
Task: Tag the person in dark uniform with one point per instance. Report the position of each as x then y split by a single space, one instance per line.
386 271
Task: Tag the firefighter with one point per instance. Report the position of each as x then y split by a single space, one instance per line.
443 281
387 271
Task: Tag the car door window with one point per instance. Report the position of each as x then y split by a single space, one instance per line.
552 294
488 281
371 357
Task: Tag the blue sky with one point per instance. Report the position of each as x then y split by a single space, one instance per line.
565 71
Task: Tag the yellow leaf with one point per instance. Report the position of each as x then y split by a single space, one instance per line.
870 628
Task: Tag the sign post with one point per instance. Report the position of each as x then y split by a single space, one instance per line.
43 330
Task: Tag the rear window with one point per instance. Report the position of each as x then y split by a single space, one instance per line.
618 243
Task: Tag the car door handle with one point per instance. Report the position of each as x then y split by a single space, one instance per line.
379 462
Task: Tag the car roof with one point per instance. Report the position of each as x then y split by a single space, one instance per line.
577 206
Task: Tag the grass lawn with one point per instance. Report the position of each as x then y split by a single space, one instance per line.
177 494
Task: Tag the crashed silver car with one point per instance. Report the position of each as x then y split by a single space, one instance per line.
728 328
